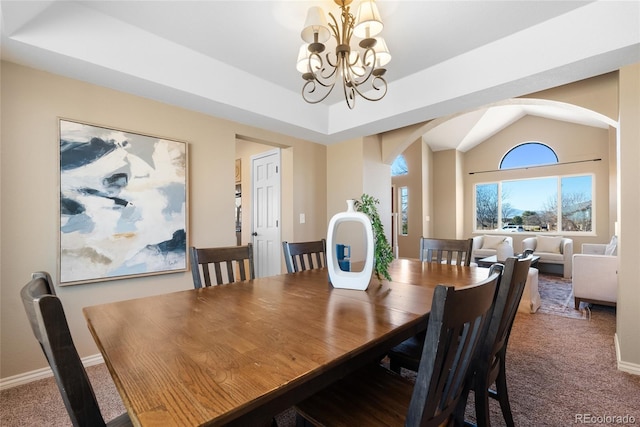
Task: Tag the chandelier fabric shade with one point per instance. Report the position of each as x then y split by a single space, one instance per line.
383 57
302 65
315 28
368 21
358 67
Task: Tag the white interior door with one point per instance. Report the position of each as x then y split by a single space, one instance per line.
265 178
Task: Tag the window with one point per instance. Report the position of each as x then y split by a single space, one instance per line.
404 211
399 166
555 203
536 204
529 154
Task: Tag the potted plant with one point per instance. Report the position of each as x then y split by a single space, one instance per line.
383 253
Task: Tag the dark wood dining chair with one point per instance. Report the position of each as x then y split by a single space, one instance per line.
375 396
226 262
305 255
49 325
449 251
490 362
407 354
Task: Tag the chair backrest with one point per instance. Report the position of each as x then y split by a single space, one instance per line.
50 327
508 295
456 325
226 262
449 251
301 256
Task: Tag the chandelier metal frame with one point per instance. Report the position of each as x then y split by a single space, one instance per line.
361 72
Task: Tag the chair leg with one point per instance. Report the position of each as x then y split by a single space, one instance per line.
503 395
481 392
394 366
459 412
302 421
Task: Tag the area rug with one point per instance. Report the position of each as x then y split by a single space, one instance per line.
556 297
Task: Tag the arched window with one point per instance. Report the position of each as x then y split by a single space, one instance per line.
537 203
399 166
529 154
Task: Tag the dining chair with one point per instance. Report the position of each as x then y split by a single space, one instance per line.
375 396
489 365
226 262
407 354
301 256
448 251
50 328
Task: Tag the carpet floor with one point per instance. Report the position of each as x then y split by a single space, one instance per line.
559 369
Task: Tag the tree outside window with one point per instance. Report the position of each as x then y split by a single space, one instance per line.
536 204
404 211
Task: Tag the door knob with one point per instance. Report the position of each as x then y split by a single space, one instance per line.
254 233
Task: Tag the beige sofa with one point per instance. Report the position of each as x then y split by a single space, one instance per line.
487 245
595 274
555 252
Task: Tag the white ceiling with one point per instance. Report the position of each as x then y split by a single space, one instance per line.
236 59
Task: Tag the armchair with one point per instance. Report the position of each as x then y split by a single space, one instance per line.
487 245
555 252
595 274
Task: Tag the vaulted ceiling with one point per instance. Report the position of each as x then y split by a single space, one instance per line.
236 59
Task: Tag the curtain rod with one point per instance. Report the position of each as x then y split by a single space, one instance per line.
537 166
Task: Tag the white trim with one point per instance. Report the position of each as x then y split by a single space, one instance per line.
39 374
632 368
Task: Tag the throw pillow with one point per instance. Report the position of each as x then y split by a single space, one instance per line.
549 244
610 249
492 242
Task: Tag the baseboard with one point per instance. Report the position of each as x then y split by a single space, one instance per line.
39 374
632 368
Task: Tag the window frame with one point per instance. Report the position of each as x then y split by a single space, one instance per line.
403 213
549 150
559 217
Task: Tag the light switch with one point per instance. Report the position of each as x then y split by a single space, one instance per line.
302 218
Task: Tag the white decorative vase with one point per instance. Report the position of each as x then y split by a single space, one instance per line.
349 279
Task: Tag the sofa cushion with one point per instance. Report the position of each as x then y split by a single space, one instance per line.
483 253
550 258
492 242
549 244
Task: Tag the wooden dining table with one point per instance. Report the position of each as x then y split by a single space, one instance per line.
242 353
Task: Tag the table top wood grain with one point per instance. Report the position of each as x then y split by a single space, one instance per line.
244 352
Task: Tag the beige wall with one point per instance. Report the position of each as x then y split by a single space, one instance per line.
446 195
628 313
408 246
32 101
571 142
599 94
355 167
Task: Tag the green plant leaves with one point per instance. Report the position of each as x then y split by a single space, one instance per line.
383 253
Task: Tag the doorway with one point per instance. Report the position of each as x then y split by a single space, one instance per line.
265 206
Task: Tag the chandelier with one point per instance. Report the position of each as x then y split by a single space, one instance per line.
360 68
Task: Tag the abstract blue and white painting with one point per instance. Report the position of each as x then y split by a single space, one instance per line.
123 204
